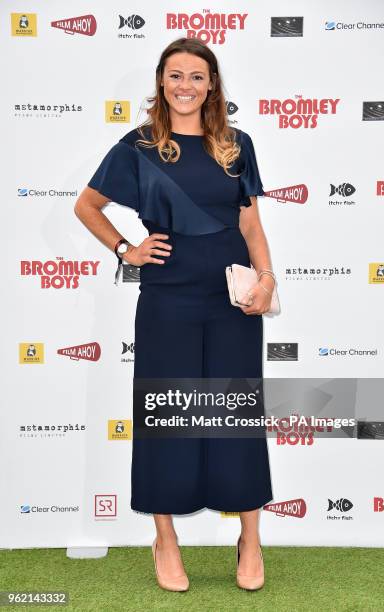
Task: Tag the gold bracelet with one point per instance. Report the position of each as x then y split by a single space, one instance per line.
269 274
265 289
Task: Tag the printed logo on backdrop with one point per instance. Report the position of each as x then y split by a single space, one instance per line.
85 24
127 350
282 351
370 430
296 433
24 192
117 111
28 509
303 273
232 109
298 112
209 28
133 22
60 274
380 188
105 506
286 26
90 351
373 111
31 353
376 273
340 509
295 508
378 504
49 431
357 26
349 352
131 273
44 111
23 24
297 194
345 190
120 430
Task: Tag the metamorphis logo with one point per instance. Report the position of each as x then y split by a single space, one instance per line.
206 26
298 112
60 273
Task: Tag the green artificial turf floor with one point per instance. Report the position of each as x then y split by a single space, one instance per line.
318 579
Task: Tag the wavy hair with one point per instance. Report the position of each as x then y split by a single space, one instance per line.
219 138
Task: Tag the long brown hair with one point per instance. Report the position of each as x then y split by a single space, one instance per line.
219 138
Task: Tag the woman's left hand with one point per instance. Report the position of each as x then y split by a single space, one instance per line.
259 299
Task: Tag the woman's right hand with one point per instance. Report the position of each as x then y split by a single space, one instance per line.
151 245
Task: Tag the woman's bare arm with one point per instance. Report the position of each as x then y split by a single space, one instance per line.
88 209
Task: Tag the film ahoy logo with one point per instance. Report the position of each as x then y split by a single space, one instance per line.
59 274
206 26
296 508
90 351
297 194
85 24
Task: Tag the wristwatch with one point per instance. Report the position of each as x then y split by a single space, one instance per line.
121 247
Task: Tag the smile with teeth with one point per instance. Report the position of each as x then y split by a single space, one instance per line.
185 98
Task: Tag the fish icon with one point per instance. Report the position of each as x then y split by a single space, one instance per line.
345 189
133 21
342 504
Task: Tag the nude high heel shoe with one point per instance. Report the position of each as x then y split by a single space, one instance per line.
251 583
179 583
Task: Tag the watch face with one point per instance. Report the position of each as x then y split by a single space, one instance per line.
122 248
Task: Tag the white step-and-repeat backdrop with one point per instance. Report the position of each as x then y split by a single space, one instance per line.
304 79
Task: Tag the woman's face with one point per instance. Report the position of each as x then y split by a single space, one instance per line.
186 83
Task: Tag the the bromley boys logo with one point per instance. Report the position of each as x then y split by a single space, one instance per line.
90 351
297 194
378 504
296 508
298 112
59 274
293 433
206 26
86 24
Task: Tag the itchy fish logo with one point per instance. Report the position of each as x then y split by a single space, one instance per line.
298 112
296 194
133 22
296 508
128 352
345 190
85 24
342 505
59 274
206 26
90 351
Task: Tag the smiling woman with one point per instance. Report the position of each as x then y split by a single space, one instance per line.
193 180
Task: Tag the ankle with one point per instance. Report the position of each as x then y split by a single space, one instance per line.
166 539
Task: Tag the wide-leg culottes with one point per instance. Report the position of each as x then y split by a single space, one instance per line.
185 326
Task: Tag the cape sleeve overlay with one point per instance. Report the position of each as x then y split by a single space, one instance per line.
250 180
128 177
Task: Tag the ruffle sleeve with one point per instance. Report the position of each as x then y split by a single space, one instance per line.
250 180
126 176
117 176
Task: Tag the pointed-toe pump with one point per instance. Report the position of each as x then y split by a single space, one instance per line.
178 583
250 583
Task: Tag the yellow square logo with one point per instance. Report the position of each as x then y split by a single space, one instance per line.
117 111
376 273
23 24
229 514
31 352
120 429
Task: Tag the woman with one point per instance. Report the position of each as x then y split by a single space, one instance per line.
194 182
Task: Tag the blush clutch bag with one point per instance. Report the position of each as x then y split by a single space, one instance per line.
240 280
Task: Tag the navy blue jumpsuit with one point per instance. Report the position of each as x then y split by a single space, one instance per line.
185 325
